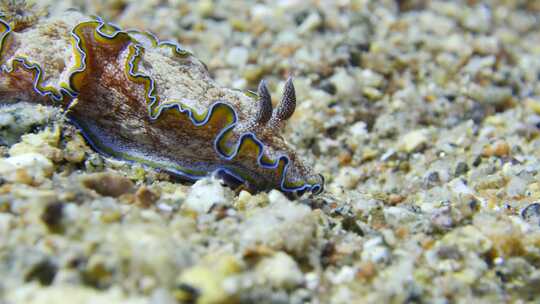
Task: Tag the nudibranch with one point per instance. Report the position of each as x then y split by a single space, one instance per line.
140 99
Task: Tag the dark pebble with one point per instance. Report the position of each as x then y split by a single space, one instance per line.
461 168
43 272
531 214
52 216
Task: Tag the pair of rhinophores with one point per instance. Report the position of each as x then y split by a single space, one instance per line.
139 99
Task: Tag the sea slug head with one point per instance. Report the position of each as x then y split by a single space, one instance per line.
292 175
299 178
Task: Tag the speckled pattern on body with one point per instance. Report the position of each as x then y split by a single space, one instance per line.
423 116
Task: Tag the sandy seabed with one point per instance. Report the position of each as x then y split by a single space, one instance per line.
423 116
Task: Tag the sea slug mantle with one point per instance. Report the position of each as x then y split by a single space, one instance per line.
140 99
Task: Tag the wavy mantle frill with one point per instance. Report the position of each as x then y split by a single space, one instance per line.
108 84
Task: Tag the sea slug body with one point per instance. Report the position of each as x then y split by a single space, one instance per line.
139 99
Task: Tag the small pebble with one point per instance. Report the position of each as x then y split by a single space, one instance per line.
145 197
500 149
237 56
461 168
52 216
414 141
107 184
280 271
43 272
206 194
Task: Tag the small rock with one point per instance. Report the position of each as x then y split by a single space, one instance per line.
97 272
507 238
328 87
29 168
348 177
44 143
205 194
374 251
282 225
344 83
6 223
253 73
311 23
461 168
345 275
203 283
75 150
43 272
107 184
533 104
145 197
516 187
21 118
206 8
359 129
474 66
413 141
500 149
493 181
52 216
467 238
238 56
371 94
369 78
478 19
492 95
162 296
280 271
442 219
366 271
399 216
432 179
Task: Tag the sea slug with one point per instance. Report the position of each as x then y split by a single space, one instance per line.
139 99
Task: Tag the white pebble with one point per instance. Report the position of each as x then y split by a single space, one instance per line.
206 193
280 271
